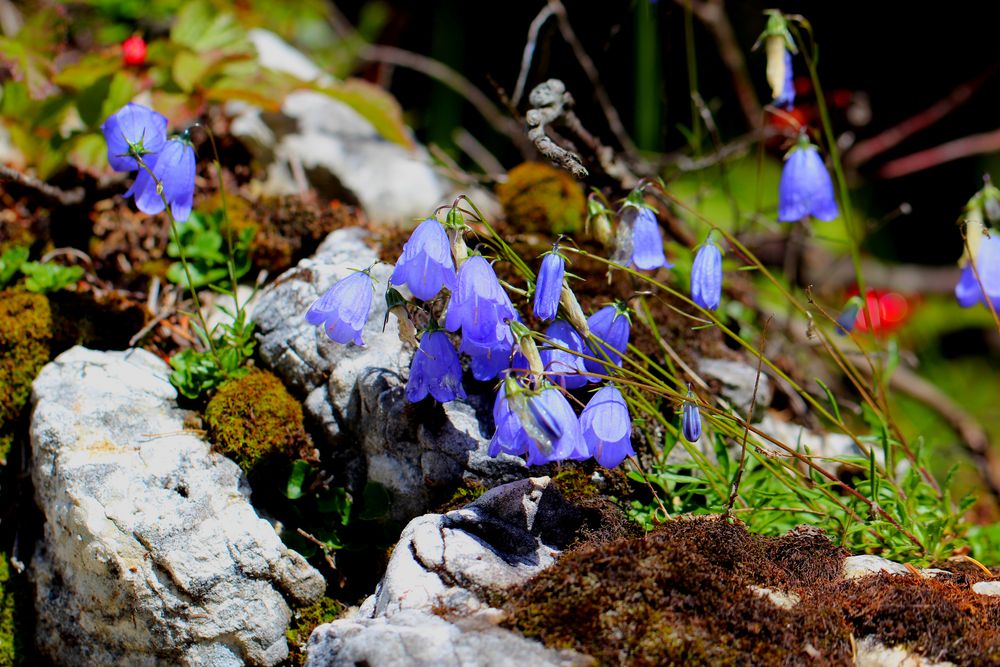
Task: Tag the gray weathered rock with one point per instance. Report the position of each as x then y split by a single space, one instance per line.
151 552
737 379
872 653
420 639
451 562
866 564
355 394
326 142
987 588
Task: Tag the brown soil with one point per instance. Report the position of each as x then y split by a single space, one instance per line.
682 595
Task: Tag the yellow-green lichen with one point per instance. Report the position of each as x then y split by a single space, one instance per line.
304 621
25 335
540 198
255 418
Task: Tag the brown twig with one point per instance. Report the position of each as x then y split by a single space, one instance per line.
590 69
746 431
712 14
975 144
64 197
529 52
863 151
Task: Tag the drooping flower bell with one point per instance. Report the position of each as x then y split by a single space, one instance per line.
480 306
174 168
549 286
607 427
562 367
706 275
611 326
691 420
970 291
848 316
540 421
778 47
133 130
805 188
647 240
344 308
426 264
486 361
436 369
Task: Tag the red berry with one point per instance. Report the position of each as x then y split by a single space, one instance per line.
888 311
134 51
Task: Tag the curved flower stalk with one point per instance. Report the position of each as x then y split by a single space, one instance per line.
344 308
805 188
607 427
706 275
426 264
436 369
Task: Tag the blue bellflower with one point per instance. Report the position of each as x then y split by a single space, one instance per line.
540 423
480 306
968 291
706 276
848 317
426 264
611 325
133 129
691 422
174 168
566 367
647 241
486 361
607 427
805 188
436 369
786 100
549 285
344 308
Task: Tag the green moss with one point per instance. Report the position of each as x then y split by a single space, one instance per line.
13 642
255 418
304 621
540 198
25 335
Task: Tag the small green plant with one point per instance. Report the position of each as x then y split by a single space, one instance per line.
47 277
10 263
197 372
203 239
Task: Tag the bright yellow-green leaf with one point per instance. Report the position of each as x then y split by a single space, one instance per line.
188 69
376 105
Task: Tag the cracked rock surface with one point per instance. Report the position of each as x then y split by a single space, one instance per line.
151 552
450 563
354 396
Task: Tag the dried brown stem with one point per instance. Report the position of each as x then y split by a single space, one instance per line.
64 197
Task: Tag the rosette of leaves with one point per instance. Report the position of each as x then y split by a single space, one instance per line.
203 237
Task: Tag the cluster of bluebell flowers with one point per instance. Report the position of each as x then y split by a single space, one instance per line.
532 412
137 140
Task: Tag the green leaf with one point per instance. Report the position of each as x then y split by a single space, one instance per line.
300 469
374 104
375 502
49 277
188 69
201 28
10 262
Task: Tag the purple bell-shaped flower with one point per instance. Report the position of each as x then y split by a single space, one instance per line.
436 369
480 306
706 275
344 308
805 188
549 285
607 427
611 325
174 168
133 130
426 264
